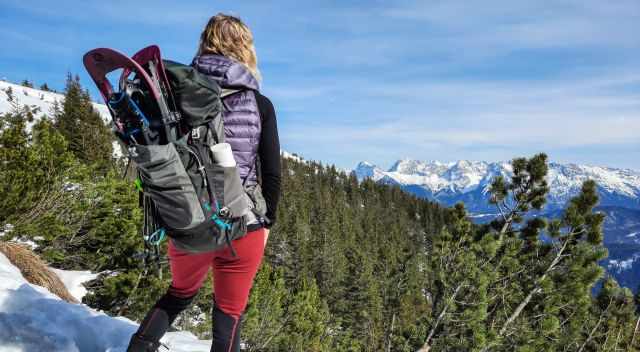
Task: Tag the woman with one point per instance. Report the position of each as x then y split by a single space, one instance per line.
226 53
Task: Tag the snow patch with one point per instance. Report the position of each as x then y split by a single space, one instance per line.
622 265
288 155
6 229
40 100
30 243
73 281
33 319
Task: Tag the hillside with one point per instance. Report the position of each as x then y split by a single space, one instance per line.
33 319
41 101
351 265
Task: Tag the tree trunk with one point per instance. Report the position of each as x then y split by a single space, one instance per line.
536 289
393 322
426 347
635 331
595 328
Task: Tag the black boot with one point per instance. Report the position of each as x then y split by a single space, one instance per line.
139 344
226 332
157 322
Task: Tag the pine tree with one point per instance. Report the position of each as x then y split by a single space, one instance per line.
88 136
457 286
307 318
264 318
111 241
37 178
9 92
567 267
526 190
615 325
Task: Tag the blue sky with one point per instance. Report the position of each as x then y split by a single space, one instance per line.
384 80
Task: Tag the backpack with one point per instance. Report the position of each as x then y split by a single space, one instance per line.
168 116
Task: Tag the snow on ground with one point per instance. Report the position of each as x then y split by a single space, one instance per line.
33 319
6 229
73 281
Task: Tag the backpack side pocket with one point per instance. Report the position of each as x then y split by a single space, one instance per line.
166 181
228 188
259 204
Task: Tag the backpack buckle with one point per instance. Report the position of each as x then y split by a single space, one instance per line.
195 133
133 152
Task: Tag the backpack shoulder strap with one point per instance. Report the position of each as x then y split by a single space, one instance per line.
227 92
261 107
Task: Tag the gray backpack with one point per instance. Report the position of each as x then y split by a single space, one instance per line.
199 203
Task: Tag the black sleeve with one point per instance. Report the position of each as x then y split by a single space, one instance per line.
269 152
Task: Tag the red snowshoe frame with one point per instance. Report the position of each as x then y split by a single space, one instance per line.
142 108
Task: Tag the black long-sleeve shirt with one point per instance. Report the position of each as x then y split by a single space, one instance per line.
269 153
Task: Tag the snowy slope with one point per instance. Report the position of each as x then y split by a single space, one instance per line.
37 99
42 102
449 182
73 280
33 319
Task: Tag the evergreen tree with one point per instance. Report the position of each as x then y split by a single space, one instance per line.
307 318
9 92
457 286
264 317
38 178
615 326
566 267
89 138
110 240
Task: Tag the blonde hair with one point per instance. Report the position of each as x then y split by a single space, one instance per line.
228 36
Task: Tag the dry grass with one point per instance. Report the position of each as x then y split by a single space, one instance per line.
35 270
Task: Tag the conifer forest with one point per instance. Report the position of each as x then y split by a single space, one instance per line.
349 266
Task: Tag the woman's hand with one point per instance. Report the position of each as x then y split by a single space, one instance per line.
266 236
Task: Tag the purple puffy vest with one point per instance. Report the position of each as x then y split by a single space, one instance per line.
241 115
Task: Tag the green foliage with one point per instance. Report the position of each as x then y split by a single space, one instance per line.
90 140
526 190
264 317
129 293
350 266
615 325
39 178
307 321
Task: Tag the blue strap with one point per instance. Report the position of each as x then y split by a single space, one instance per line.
216 219
157 237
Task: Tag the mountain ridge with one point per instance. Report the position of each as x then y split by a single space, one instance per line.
450 182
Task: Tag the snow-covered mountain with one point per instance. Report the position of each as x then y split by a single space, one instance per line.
469 181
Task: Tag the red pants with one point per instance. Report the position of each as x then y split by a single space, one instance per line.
232 276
